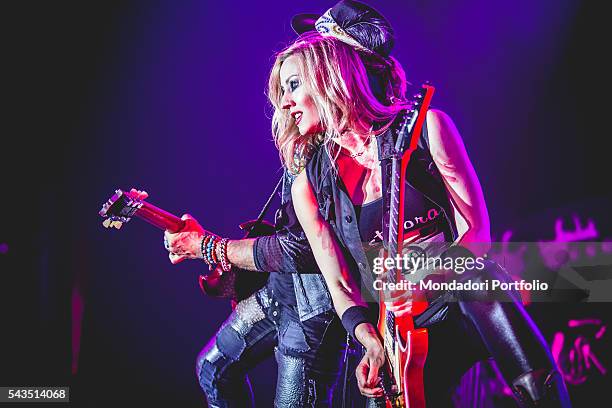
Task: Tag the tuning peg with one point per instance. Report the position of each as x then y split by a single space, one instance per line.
106 223
117 224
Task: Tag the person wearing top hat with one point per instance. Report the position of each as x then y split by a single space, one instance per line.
336 90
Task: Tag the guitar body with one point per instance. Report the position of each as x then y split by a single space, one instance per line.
413 359
407 352
236 284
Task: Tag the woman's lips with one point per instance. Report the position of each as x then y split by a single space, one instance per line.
298 118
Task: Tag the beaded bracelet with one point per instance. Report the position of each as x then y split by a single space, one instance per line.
205 238
213 249
210 250
204 249
225 265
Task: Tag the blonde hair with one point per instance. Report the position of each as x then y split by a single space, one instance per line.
336 76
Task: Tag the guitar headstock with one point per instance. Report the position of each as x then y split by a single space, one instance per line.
417 107
120 208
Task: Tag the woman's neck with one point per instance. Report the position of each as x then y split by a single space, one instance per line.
359 147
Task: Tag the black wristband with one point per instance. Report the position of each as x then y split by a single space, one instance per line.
354 316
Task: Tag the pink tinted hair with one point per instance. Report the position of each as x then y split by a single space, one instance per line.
335 76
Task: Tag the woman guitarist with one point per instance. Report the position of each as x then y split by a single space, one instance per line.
336 92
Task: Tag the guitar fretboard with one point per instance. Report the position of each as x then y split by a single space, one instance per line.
160 218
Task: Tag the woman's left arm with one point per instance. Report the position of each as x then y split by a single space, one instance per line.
451 158
343 288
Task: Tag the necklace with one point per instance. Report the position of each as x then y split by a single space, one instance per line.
366 145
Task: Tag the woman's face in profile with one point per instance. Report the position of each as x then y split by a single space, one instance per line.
296 98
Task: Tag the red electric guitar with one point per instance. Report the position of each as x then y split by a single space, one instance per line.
405 346
235 284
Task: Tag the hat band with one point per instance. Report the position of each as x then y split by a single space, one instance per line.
327 26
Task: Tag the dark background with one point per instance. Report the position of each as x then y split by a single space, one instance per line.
169 97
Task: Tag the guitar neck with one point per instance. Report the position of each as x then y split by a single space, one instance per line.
401 353
159 218
406 143
395 227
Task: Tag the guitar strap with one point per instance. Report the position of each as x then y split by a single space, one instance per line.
245 282
386 143
263 211
269 201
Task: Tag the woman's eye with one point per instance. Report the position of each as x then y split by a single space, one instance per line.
294 84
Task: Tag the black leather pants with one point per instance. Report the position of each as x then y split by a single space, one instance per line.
516 344
478 325
308 355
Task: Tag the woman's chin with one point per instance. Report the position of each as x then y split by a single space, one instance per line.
309 131
305 132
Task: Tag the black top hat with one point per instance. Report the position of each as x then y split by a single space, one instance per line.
362 23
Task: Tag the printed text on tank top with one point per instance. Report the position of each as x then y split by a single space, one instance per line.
363 186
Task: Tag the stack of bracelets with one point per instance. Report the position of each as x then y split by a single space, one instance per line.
214 251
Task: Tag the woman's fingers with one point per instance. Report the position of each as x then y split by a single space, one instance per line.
168 240
400 307
170 243
366 381
361 372
174 258
185 244
373 379
191 224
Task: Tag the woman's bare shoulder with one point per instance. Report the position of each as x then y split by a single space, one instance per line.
442 132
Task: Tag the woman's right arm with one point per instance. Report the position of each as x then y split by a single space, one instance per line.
342 287
281 252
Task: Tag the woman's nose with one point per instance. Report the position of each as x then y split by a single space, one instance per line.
287 101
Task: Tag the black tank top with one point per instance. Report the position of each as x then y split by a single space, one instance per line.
420 213
369 217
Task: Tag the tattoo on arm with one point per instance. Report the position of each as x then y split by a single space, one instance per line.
240 253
